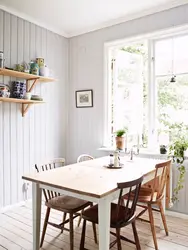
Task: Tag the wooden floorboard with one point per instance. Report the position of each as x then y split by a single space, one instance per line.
16 232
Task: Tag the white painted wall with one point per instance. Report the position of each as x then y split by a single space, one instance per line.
86 72
41 134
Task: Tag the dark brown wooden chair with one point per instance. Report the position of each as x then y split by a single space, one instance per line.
152 194
64 203
121 216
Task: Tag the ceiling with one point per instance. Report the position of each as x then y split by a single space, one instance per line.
73 17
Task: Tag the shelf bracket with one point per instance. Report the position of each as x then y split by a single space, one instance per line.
35 80
25 108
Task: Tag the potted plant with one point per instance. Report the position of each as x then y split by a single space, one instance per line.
163 149
120 138
177 153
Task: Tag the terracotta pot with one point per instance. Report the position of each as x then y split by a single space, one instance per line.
120 142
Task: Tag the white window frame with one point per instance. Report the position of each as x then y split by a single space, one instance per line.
152 87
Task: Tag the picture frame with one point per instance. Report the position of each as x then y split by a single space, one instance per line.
84 98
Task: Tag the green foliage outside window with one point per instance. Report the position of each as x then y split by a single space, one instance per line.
172 98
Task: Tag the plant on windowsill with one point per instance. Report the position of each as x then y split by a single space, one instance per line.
163 149
120 138
177 153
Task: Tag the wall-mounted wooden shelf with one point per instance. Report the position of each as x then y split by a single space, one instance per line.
26 76
25 103
31 81
22 101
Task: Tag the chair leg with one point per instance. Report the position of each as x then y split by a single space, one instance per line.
71 232
45 225
118 239
80 218
137 242
163 217
122 202
82 242
152 226
95 232
64 218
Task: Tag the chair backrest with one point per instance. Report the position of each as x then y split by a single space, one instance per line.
58 162
131 201
84 157
160 179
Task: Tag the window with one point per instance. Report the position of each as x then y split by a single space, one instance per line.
171 57
148 90
128 82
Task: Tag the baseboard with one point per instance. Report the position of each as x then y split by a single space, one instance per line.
10 207
176 214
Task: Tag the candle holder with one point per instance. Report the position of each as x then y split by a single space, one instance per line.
132 152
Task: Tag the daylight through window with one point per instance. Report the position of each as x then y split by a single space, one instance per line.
149 91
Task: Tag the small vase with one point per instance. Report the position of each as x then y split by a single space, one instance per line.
44 71
120 142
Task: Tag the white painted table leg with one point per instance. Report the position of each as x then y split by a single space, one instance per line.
104 224
36 192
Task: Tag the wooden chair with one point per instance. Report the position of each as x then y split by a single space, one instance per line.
152 194
84 157
121 216
63 203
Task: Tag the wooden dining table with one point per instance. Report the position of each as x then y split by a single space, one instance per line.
91 181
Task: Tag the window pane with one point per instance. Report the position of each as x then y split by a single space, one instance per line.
172 107
180 55
130 92
163 57
171 56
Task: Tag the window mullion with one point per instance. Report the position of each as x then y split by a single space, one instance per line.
151 96
107 97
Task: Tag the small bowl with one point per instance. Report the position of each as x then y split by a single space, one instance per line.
27 96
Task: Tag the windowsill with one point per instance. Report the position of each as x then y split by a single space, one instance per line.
144 152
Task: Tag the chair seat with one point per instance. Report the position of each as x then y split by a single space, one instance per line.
67 204
144 195
91 214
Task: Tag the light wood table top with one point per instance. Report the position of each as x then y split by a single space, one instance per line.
91 177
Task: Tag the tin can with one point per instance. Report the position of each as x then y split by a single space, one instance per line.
40 62
34 68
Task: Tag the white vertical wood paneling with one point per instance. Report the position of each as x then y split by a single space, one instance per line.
31 112
37 112
6 118
20 151
49 57
43 93
13 116
1 121
38 136
26 120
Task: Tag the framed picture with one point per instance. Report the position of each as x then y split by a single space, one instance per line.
84 98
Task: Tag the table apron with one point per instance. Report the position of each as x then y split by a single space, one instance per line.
110 197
